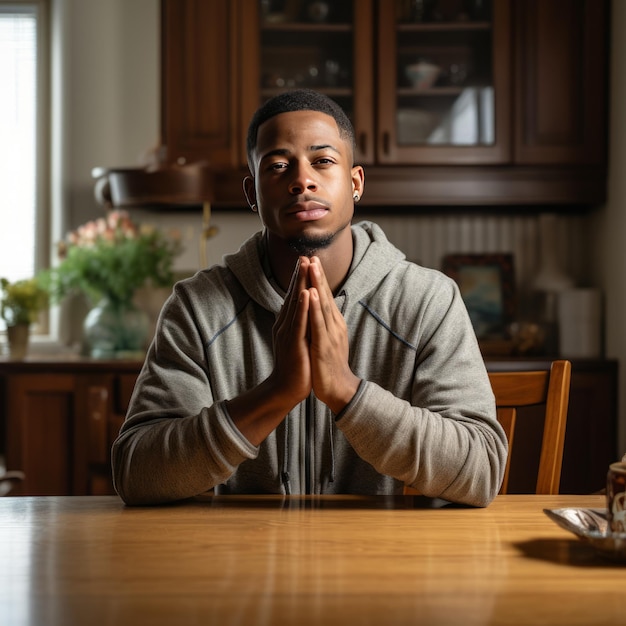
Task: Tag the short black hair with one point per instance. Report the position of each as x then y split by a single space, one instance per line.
298 100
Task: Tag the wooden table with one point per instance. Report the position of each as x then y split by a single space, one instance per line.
279 561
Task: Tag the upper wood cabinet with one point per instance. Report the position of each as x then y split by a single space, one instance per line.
327 46
560 82
199 81
515 113
444 82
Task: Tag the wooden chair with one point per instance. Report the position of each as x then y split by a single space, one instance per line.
518 389
514 390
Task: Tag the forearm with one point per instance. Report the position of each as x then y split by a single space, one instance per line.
176 457
257 412
454 455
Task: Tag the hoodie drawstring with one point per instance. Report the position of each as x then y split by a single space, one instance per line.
285 473
331 438
285 477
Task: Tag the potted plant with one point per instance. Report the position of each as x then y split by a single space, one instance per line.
108 260
20 304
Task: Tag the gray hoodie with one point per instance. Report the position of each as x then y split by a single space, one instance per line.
424 413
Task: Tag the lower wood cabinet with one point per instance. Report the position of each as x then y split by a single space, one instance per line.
58 420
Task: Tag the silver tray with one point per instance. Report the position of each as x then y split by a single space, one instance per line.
592 526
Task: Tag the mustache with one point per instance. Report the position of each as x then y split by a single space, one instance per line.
307 198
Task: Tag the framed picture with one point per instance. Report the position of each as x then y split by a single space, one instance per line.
486 282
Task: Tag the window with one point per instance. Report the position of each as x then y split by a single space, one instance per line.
23 247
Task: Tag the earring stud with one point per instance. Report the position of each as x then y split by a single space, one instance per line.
356 197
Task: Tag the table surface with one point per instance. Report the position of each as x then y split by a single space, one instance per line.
300 560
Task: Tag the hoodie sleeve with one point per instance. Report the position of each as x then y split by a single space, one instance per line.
176 441
444 439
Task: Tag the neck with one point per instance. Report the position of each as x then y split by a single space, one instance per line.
336 258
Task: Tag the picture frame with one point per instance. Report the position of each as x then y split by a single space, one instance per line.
487 285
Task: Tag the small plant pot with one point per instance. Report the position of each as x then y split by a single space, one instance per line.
18 337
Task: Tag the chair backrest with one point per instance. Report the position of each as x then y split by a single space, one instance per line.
514 390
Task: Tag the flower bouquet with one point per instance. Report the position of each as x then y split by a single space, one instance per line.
108 260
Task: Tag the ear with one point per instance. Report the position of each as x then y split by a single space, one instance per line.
358 180
250 192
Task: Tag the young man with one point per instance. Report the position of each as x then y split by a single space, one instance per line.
316 359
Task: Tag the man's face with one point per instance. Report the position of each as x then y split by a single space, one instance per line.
304 179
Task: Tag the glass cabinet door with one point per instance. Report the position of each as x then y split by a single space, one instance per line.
444 81
322 45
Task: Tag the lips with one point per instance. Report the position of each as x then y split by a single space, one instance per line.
308 211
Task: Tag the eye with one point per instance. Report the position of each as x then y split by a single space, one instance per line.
276 166
324 161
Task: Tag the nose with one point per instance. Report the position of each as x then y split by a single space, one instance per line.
303 178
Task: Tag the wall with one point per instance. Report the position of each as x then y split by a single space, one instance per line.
108 114
109 111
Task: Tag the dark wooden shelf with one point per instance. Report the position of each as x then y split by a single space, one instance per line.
304 27
443 27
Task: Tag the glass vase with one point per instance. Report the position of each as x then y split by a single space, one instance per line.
116 330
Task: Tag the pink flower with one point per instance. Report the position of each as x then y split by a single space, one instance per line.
116 216
87 234
108 235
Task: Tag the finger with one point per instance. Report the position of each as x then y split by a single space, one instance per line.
300 279
319 280
294 276
325 296
300 321
317 323
296 285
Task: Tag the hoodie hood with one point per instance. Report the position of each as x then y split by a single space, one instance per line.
373 258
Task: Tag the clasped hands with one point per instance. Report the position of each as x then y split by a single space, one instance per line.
311 341
310 354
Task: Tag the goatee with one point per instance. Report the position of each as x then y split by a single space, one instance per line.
309 245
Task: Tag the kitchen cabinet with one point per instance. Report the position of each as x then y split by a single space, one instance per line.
199 82
516 113
531 75
528 87
460 113
560 82
293 46
213 77
58 419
